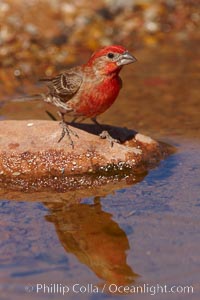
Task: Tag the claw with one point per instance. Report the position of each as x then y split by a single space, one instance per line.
67 131
105 135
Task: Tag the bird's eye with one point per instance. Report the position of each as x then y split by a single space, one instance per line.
110 55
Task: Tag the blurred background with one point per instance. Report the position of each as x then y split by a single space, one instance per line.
41 38
38 36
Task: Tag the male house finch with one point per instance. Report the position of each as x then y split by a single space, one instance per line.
88 90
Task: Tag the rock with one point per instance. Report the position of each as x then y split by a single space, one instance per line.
31 158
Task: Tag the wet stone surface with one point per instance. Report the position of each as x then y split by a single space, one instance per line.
31 157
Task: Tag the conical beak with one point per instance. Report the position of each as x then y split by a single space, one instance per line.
125 59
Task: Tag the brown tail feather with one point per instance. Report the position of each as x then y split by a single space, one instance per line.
25 98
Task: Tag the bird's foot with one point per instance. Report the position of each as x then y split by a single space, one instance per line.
67 131
105 135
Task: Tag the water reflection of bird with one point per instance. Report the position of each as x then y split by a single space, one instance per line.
94 238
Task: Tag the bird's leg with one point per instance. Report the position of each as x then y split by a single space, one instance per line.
66 130
105 134
94 120
74 120
51 115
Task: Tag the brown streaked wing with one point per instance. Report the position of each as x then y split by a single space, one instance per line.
67 83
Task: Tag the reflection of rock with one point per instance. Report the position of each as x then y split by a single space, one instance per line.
94 238
31 158
74 195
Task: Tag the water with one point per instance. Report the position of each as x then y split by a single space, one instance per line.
145 234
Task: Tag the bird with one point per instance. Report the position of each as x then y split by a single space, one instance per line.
88 90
